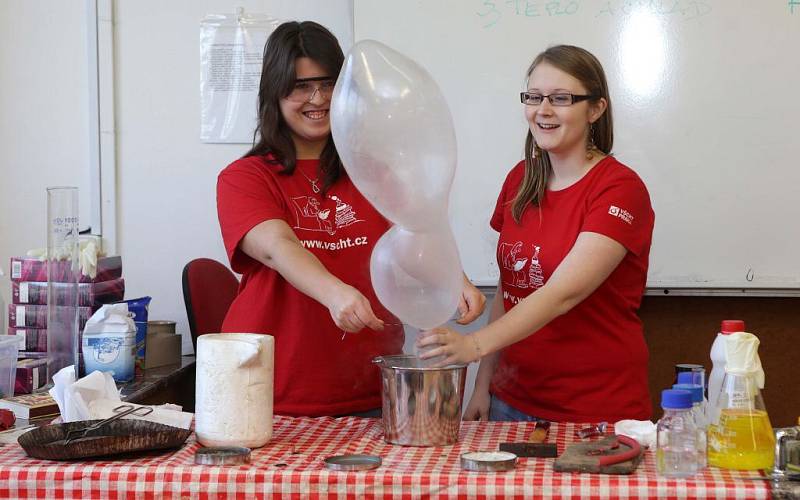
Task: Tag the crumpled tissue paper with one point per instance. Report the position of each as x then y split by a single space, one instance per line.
95 396
643 431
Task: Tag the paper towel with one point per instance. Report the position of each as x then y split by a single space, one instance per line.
233 404
95 396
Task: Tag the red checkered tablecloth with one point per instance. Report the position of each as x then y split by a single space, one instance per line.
291 466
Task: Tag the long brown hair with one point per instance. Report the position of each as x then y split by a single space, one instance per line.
288 42
585 67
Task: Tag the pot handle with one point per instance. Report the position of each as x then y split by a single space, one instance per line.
378 360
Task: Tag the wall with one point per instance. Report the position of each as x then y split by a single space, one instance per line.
44 129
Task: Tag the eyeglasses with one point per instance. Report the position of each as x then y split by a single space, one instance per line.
561 99
305 89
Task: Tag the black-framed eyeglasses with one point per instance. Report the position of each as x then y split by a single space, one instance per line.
305 89
559 99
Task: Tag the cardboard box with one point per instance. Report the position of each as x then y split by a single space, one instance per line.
88 294
35 316
162 349
31 269
30 339
31 375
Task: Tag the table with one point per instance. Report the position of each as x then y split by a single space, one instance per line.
291 465
163 384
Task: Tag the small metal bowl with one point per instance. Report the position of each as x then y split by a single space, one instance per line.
222 455
488 461
353 462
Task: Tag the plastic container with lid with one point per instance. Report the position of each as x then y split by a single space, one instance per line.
678 452
718 363
8 364
3 286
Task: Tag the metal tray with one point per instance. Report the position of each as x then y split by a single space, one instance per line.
119 436
353 462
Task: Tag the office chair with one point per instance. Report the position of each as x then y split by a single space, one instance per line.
209 287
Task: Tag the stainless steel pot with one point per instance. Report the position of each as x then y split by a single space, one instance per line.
421 405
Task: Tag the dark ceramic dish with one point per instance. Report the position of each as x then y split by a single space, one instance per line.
119 436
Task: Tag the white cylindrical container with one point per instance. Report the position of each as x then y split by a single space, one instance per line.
234 386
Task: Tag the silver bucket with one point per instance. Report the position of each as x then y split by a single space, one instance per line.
421 405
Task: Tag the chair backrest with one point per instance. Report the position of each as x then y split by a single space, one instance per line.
209 287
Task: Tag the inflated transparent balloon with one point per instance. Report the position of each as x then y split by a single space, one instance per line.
417 275
394 134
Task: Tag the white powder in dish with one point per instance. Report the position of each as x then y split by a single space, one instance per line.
489 456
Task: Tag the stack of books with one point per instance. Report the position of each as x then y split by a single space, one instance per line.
27 313
30 406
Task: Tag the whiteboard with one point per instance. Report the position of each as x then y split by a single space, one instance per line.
706 103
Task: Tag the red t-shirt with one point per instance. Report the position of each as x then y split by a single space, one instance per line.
316 371
591 363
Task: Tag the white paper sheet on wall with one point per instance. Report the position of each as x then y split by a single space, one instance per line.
231 51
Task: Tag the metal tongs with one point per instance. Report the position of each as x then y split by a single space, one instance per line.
120 411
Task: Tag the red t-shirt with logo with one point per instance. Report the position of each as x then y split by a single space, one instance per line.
317 372
591 363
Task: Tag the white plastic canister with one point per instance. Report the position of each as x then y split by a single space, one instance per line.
234 387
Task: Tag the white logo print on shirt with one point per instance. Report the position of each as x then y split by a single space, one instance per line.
621 213
311 217
512 261
535 275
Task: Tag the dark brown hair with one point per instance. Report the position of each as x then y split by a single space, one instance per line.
585 67
290 41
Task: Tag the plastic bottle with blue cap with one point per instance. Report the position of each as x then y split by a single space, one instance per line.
677 446
699 414
696 379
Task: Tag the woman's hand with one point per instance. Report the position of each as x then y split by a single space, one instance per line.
478 407
351 311
453 347
470 304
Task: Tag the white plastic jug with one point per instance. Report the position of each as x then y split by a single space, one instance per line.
727 327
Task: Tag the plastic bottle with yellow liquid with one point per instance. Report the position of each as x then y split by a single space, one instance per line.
740 436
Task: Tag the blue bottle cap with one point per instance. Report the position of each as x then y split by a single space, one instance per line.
690 378
676 399
695 390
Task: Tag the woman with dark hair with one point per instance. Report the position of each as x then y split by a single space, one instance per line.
301 235
564 341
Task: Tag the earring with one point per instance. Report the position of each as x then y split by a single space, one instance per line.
590 147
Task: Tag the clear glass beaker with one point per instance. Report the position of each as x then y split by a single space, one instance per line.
741 437
63 273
